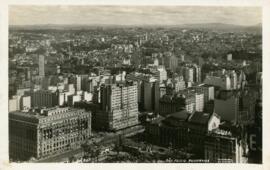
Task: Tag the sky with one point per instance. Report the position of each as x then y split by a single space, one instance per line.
133 15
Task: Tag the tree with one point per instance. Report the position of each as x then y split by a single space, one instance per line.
72 159
96 152
88 150
117 148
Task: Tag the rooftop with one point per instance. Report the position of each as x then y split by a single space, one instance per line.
182 115
37 114
200 118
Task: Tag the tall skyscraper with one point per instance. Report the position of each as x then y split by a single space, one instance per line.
197 73
233 77
78 80
188 74
160 73
171 61
41 66
227 106
151 96
119 106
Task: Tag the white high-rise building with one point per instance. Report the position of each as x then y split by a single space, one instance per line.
233 77
229 57
74 98
78 82
156 62
197 73
119 106
61 99
41 62
199 100
25 102
160 73
13 104
188 74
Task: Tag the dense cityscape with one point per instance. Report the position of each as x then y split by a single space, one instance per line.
148 94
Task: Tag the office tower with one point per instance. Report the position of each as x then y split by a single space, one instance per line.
169 131
229 57
188 73
28 73
227 106
70 88
41 66
43 98
197 73
47 132
151 95
179 85
78 81
182 58
13 104
233 77
72 99
87 96
45 82
188 101
145 86
199 100
156 62
222 147
61 98
207 90
160 73
223 81
170 104
25 102
171 62
90 84
19 102
119 106
200 124
84 80
241 80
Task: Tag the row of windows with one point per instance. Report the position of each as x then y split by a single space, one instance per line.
75 115
61 144
60 132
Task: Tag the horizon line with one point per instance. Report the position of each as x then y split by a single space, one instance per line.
55 24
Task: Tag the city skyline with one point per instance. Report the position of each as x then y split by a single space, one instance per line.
133 15
168 90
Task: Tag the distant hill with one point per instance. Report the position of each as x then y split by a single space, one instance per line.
225 27
206 26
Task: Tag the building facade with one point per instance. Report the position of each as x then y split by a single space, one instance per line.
47 132
43 98
227 105
118 107
41 65
223 147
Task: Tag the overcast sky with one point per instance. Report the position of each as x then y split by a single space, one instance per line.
132 15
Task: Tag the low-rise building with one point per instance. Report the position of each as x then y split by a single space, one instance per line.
222 147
